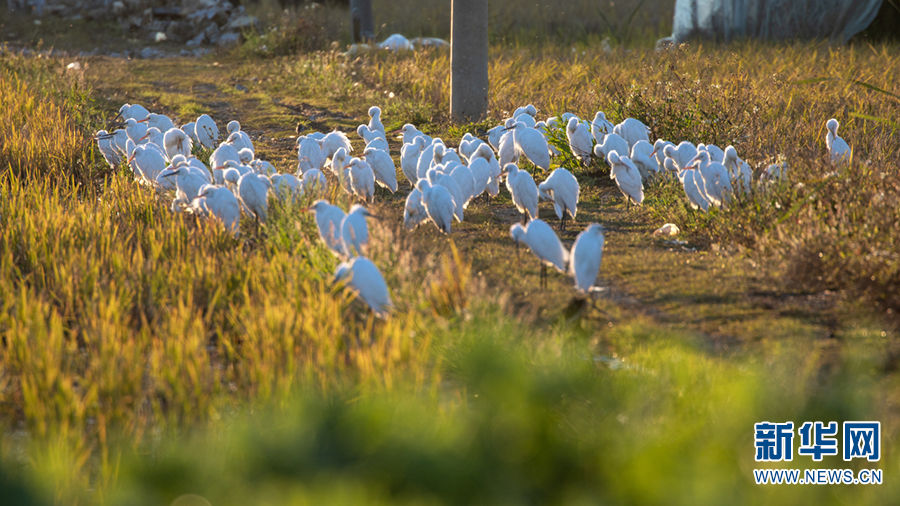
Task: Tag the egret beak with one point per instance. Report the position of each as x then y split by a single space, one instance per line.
144 120
131 158
653 154
174 172
144 137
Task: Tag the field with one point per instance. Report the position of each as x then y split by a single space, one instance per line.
148 357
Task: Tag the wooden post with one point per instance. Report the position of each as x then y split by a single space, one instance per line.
361 20
468 60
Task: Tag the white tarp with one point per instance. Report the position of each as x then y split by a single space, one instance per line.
772 19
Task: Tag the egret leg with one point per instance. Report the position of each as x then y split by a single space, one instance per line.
543 276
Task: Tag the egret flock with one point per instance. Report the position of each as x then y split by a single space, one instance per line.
444 180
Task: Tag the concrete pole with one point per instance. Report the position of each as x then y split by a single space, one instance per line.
362 21
468 60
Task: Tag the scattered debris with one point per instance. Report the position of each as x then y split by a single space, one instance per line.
669 229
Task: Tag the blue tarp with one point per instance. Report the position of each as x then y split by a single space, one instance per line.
772 19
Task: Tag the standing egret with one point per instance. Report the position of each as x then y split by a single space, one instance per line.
611 142
413 211
438 203
739 170
532 143
364 278
642 156
176 142
409 158
375 120
562 189
410 132
580 141
693 188
682 154
253 189
328 222
601 127
544 243
107 149
466 181
362 179
659 152
146 163
309 154
481 175
715 178
627 177
383 168
222 204
355 231
368 134
206 131
159 121
438 178
837 147
133 111
334 140
523 190
585 258
632 130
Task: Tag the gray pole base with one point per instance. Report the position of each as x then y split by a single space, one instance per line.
468 60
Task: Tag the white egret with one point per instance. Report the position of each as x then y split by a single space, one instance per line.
523 190
601 127
585 257
334 140
355 231
409 158
364 278
375 120
682 154
133 111
466 181
580 141
438 178
309 154
206 131
627 176
176 142
328 222
739 170
632 130
368 134
107 149
481 175
562 189
642 156
362 179
531 143
837 147
146 162
383 168
253 189
438 203
693 188
715 178
413 210
159 121
410 132
544 243
222 204
611 142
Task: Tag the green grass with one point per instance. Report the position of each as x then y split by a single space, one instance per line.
147 355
